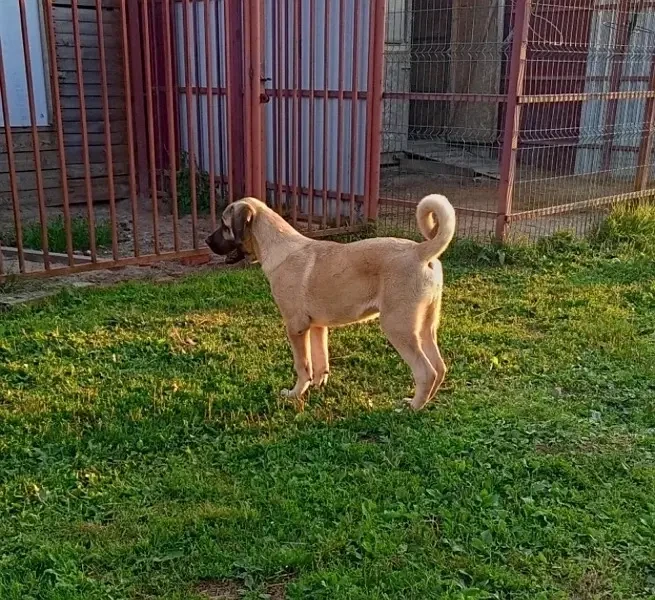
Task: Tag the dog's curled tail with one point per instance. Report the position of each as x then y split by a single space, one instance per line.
436 219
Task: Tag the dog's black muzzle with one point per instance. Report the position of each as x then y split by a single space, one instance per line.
219 245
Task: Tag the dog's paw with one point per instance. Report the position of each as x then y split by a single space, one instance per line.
321 381
404 405
291 394
297 400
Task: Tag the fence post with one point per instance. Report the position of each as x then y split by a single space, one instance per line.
375 93
235 97
512 114
646 145
255 185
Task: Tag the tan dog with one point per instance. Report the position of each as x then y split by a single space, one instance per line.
320 284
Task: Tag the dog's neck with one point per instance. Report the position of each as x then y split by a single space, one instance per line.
273 239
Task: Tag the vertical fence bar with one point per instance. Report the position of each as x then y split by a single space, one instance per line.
512 115
156 28
107 123
312 67
247 50
127 82
150 121
197 75
235 101
222 90
137 74
11 162
209 63
191 138
255 74
339 158
85 131
279 100
230 92
326 89
171 87
295 142
299 107
646 144
59 125
353 113
288 99
374 109
43 216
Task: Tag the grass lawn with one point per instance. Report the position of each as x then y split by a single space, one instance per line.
144 449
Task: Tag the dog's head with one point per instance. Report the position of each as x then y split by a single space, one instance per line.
232 238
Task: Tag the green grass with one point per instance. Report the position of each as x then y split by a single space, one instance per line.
57 235
143 446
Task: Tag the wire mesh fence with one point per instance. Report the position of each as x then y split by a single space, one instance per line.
532 116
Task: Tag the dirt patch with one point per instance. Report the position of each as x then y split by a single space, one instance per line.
232 590
220 590
601 445
592 585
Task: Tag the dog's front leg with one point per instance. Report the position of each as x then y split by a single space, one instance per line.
320 360
300 345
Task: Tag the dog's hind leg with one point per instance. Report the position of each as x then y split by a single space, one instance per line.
429 344
301 347
407 342
320 355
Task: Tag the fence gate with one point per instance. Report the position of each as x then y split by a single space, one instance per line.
315 151
127 125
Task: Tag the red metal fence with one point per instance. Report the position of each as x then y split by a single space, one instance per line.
127 125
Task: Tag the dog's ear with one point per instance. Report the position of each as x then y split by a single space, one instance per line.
241 218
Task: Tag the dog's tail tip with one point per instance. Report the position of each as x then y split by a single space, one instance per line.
436 219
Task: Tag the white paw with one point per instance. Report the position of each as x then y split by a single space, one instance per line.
404 404
285 393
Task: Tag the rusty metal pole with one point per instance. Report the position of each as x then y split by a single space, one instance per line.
234 100
374 109
59 126
512 115
646 144
253 23
36 147
11 163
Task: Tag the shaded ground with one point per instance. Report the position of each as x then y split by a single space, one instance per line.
413 181
18 292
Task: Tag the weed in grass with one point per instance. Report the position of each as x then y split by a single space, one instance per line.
202 189
632 226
